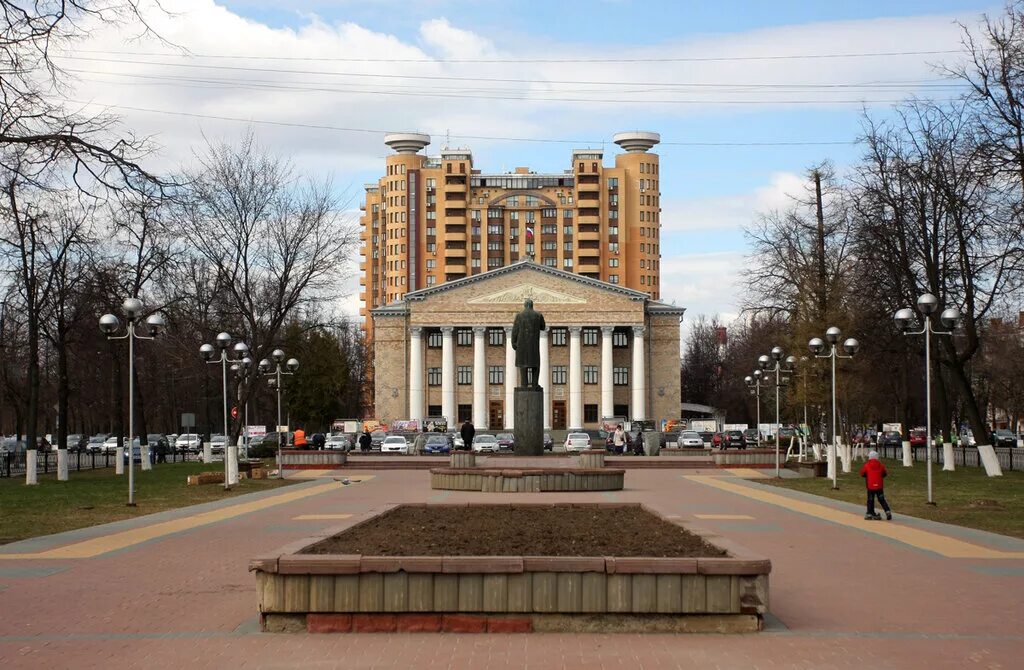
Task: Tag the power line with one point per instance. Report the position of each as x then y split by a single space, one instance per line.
387 75
292 124
673 59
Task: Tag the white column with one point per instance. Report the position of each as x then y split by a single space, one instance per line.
416 374
480 377
31 478
448 375
62 465
575 380
511 374
119 457
545 376
947 457
639 378
607 382
230 453
144 455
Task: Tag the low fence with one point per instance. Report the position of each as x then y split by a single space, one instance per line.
1010 458
13 464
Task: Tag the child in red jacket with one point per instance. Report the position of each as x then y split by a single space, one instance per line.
874 472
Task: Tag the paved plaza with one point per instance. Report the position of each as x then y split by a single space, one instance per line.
172 590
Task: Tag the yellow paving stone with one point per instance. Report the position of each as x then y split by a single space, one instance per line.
319 517
943 545
724 517
747 473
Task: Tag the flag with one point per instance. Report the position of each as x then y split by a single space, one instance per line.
529 231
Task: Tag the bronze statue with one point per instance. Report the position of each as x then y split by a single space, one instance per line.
526 341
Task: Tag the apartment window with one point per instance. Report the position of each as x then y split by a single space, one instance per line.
559 374
433 376
589 336
613 247
514 247
475 231
590 413
513 216
464 375
493 262
474 214
551 262
494 213
495 246
531 201
512 202
558 337
431 247
549 229
613 182
549 213
567 231
475 262
431 280
431 183
613 199
513 232
620 339
431 263
590 374
566 213
434 339
464 337
496 337
613 230
613 279
496 374
567 263
431 216
620 376
495 229
561 199
530 247
431 231
475 246
549 246
567 247
465 413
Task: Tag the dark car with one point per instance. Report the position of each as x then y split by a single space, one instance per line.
549 444
437 444
786 435
506 441
890 438
918 437
751 437
707 436
733 439
1004 438
376 439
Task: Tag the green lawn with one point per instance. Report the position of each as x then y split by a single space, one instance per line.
93 497
966 497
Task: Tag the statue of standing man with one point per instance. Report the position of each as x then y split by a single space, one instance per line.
526 341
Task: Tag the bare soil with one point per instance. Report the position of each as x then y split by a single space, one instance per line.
517 531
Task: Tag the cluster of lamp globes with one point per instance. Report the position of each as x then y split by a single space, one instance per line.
768 362
243 361
133 309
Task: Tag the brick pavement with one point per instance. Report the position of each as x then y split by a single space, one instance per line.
841 596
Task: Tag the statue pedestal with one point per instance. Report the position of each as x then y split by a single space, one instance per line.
528 413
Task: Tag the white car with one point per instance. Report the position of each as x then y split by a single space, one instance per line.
691 439
488 443
577 442
217 443
394 444
188 441
338 442
110 446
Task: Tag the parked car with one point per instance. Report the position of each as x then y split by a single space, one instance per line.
918 437
691 439
437 444
190 442
338 442
110 444
734 440
77 442
751 437
394 444
506 441
457 442
95 444
136 452
716 440
786 435
217 443
488 443
157 441
549 444
12 445
577 442
706 436
890 438
967 438
1004 438
377 439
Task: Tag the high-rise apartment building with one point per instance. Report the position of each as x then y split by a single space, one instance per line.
433 219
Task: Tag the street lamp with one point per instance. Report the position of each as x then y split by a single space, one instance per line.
274 369
776 363
927 304
850 346
110 324
802 373
208 354
755 384
243 371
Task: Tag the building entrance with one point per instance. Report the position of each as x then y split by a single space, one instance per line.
558 415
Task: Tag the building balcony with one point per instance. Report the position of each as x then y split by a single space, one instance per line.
588 218
588 236
453 268
589 261
587 187
455 236
455 220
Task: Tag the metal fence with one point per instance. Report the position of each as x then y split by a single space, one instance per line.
1010 458
14 465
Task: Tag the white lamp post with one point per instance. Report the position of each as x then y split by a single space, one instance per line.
208 354
109 324
776 363
755 384
850 346
927 304
274 369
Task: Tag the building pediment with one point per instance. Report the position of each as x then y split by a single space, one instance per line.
517 294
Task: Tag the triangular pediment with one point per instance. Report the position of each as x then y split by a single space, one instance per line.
517 294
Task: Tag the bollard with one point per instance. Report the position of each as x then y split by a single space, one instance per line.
119 461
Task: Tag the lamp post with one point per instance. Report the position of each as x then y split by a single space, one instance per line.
243 370
774 362
109 324
802 373
850 346
755 384
274 369
207 352
927 304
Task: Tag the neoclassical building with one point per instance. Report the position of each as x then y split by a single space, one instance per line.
446 351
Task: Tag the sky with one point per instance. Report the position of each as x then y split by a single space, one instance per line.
746 95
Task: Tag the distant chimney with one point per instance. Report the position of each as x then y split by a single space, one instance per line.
722 336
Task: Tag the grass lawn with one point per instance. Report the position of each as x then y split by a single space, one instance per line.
966 497
93 497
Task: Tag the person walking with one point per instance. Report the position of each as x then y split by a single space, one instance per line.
319 440
874 473
365 441
467 433
619 439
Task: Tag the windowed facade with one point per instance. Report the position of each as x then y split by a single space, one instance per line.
559 374
433 376
590 413
496 374
590 336
464 337
464 375
620 376
559 337
590 374
496 337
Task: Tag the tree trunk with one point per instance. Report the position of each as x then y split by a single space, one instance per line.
31 430
63 390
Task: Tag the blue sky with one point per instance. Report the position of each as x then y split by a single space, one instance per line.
709 192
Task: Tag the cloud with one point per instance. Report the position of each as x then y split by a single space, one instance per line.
729 212
452 42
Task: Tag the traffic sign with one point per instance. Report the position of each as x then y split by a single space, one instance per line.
234 412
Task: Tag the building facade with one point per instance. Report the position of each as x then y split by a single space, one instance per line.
445 350
436 219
